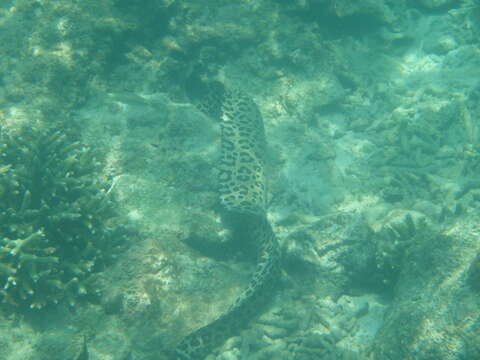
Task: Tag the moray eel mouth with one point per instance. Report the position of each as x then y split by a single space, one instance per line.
242 193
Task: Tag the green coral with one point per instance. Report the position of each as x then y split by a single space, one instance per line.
57 224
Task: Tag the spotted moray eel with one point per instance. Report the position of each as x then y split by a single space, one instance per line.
243 198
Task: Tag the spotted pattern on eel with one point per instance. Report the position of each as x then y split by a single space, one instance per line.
242 194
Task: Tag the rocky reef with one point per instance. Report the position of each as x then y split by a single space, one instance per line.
57 220
371 113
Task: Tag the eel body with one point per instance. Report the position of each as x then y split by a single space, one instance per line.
242 192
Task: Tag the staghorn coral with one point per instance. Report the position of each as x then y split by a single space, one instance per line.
57 224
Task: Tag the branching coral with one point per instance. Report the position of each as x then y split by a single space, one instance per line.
57 225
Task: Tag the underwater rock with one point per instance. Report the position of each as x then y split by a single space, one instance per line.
58 345
378 10
434 313
113 303
57 47
434 4
311 96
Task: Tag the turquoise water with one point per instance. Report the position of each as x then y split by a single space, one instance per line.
125 127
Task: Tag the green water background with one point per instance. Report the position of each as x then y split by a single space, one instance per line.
371 115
